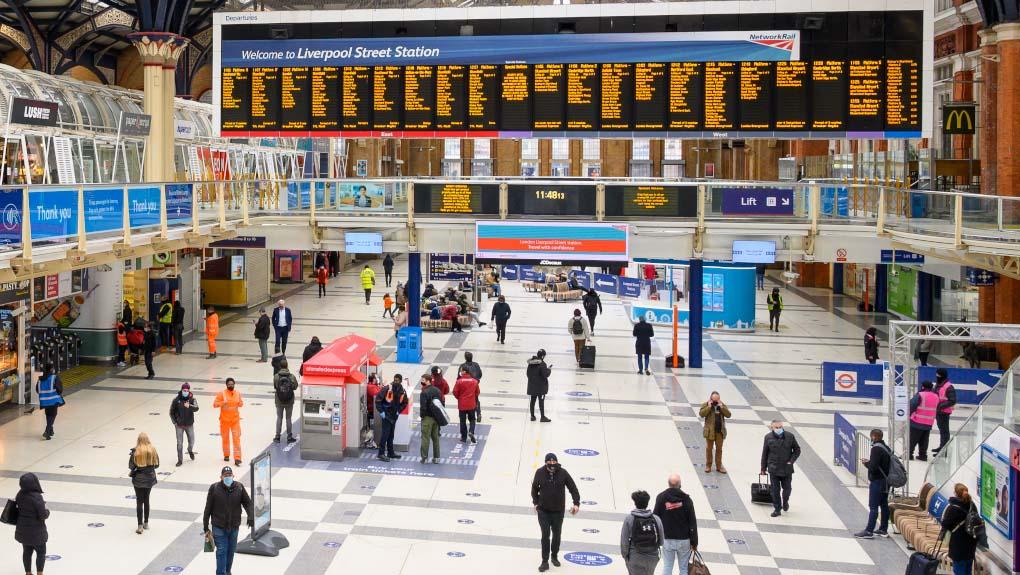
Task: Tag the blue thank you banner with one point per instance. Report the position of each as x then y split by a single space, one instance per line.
630 287
845 447
178 202
53 214
10 221
143 206
104 210
757 202
606 283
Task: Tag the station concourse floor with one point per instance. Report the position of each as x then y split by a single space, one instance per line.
642 427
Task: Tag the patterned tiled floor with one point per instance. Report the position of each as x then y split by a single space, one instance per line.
639 428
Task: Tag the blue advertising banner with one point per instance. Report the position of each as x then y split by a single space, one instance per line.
583 278
606 283
529 274
143 206
104 210
901 257
757 202
10 224
835 202
844 435
630 287
509 272
178 202
53 214
773 45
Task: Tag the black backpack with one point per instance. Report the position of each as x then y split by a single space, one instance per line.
644 533
973 525
578 327
285 389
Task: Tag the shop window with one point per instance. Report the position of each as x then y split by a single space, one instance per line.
529 149
560 149
641 149
591 149
483 149
451 149
529 168
560 169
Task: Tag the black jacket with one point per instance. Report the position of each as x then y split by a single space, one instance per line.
643 337
591 303
183 416
501 312
32 512
126 317
310 351
149 343
538 376
473 368
547 489
223 504
262 327
387 263
676 511
177 315
879 461
425 401
962 547
394 405
144 477
778 454
870 347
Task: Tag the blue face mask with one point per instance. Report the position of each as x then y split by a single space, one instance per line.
778 432
228 481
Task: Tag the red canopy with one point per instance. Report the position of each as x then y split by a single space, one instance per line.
343 358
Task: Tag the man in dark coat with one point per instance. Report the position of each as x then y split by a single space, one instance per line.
549 500
538 383
643 343
500 315
313 347
389 403
182 414
387 266
778 455
177 325
31 528
262 335
592 305
149 348
223 505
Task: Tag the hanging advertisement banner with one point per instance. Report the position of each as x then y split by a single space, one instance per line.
143 206
104 210
54 214
10 221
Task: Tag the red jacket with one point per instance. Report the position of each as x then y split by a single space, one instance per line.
448 312
466 392
373 388
322 276
442 386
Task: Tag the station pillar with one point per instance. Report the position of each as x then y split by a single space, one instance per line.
694 327
159 51
837 279
881 287
413 288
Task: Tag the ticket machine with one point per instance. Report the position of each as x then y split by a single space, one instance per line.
333 394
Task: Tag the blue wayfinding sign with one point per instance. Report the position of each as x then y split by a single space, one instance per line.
104 210
606 283
583 278
528 274
178 202
53 214
901 257
864 381
509 272
630 287
10 221
757 201
971 384
143 206
845 446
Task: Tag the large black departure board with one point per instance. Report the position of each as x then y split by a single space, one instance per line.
456 198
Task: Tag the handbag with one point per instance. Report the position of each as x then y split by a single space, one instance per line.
698 565
209 545
10 513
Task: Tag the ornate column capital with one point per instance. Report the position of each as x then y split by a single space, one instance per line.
159 48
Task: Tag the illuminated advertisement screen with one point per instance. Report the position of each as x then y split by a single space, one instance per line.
551 242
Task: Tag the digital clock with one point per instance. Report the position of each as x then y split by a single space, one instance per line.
550 195
552 200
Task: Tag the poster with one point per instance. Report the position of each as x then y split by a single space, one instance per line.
996 491
237 267
451 267
363 195
286 267
261 472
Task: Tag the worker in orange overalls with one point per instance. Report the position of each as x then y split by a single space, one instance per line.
212 329
230 402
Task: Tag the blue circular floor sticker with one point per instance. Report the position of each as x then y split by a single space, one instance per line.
95 525
173 569
578 394
53 557
454 554
465 521
587 559
331 544
581 452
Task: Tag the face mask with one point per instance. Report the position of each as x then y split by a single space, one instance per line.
185 393
228 481
550 466
230 388
778 432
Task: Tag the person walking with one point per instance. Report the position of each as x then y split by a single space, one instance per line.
675 509
50 390
759 274
367 282
142 464
401 319
962 545
282 322
182 414
924 348
389 403
580 333
223 504
947 402
774 301
592 304
149 348
871 345
284 387
476 372
923 407
549 500
314 347
165 317
387 266
177 326
778 455
878 463
212 330
262 335
466 391
440 383
230 402
30 529
387 303
321 277
122 344
715 413
429 421
538 383
641 536
500 315
320 260
334 264
643 335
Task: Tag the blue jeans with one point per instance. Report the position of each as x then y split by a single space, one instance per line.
642 357
878 500
675 550
226 544
963 567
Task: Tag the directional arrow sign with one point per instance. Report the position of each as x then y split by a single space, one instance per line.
606 283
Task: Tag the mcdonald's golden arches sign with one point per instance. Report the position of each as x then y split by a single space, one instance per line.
959 119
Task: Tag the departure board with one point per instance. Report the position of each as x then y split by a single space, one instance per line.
866 104
548 96
419 97
456 198
661 201
828 95
651 92
265 98
721 92
451 97
515 98
325 98
791 96
582 97
617 96
295 100
902 96
357 97
387 97
756 88
483 96
686 92
235 98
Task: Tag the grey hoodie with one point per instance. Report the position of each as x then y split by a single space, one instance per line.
628 528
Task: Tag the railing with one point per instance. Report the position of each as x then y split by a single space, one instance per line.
65 214
997 408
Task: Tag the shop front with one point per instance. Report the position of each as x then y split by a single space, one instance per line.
15 368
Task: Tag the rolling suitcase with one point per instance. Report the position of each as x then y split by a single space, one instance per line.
921 563
587 357
761 492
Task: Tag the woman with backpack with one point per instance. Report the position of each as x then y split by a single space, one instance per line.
142 464
957 521
51 397
31 525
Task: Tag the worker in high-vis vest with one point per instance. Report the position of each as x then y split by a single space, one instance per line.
775 303
212 330
51 397
230 402
165 317
367 282
947 401
922 416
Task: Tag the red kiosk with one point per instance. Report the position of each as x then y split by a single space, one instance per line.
333 398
